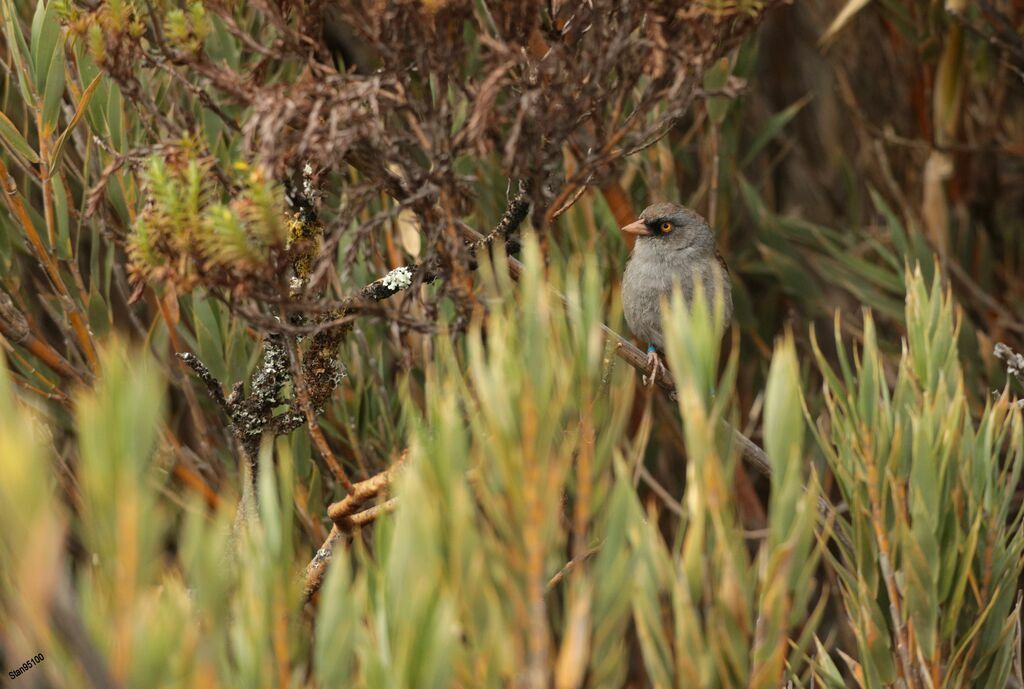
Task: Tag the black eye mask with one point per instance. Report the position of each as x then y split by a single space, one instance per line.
655 226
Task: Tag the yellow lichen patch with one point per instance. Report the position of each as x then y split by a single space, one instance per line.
303 243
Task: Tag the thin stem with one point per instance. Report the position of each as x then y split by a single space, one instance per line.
44 175
315 432
15 328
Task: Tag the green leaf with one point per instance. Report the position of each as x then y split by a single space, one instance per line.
114 116
208 335
38 19
19 50
783 420
46 35
7 233
95 111
83 104
775 124
921 574
117 425
53 88
826 670
336 627
15 141
99 312
60 202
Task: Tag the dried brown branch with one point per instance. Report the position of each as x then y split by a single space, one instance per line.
76 316
348 516
213 388
315 432
361 519
15 329
340 512
249 415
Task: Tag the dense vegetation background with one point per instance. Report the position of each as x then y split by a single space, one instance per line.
280 409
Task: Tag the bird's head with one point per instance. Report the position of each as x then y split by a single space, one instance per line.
673 227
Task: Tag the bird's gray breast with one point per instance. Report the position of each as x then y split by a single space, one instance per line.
651 274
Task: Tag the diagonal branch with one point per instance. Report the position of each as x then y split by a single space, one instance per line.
343 528
340 512
213 388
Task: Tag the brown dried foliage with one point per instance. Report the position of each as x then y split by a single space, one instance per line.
403 103
409 100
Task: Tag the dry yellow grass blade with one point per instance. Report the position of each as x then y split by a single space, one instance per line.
842 19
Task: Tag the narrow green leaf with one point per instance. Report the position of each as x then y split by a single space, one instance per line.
783 420
38 18
60 202
46 34
15 141
771 129
114 116
19 50
53 88
208 334
95 110
99 313
826 670
336 628
82 105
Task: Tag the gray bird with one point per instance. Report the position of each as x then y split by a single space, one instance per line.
673 245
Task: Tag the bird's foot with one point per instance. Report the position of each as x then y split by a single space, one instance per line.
654 361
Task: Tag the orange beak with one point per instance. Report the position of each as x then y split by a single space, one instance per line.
637 228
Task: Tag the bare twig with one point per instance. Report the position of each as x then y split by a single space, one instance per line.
317 567
14 327
341 511
249 416
79 323
315 432
363 518
213 387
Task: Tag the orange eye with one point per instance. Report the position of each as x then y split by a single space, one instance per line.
666 226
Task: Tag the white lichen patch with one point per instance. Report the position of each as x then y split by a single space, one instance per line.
398 279
307 182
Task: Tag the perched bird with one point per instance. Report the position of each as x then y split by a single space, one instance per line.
674 245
